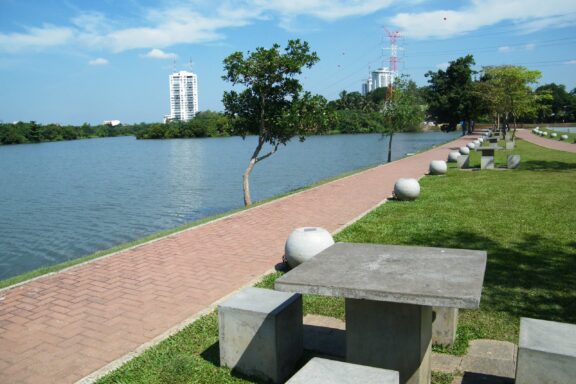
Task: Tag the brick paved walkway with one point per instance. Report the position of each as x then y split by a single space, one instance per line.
63 327
526 134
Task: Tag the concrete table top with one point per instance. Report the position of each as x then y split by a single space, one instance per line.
440 277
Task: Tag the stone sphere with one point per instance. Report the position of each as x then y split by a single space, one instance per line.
481 139
544 133
406 189
464 151
476 143
563 137
553 134
305 243
453 156
470 145
438 167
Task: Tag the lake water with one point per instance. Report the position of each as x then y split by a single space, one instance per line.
64 200
563 129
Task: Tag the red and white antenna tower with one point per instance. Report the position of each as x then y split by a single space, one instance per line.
393 37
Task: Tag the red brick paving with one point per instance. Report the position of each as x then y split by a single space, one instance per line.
61 328
527 135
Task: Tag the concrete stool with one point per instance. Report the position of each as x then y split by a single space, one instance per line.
546 352
261 333
513 161
463 161
324 371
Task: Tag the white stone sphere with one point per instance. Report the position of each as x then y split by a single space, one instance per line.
406 189
544 133
476 143
563 137
553 134
470 145
464 151
305 243
453 156
438 167
481 139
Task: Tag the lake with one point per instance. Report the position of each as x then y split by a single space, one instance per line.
64 200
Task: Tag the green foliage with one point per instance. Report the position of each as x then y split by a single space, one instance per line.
559 107
204 124
32 132
402 112
450 94
273 104
505 91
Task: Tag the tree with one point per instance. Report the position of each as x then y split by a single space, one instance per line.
450 94
273 105
403 112
559 107
507 93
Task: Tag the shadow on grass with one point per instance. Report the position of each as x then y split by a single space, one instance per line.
533 277
539 165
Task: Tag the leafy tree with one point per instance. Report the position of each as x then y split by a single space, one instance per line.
450 95
559 107
507 93
272 105
402 112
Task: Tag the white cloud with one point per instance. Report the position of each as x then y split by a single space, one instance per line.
530 47
322 9
570 62
505 49
160 54
528 15
36 38
98 61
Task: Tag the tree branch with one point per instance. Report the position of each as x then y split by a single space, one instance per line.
268 154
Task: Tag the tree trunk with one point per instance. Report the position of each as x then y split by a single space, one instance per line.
390 147
246 182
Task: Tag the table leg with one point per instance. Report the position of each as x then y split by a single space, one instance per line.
391 336
487 162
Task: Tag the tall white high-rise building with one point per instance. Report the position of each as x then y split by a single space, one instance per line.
379 78
183 96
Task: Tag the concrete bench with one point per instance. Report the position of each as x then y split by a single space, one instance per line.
546 352
513 161
463 161
323 371
261 333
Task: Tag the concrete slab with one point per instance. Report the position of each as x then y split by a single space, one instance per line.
546 352
490 357
260 333
442 362
324 371
427 276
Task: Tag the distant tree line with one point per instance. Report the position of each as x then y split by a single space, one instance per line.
204 124
32 132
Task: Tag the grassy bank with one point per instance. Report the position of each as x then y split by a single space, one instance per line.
571 136
523 218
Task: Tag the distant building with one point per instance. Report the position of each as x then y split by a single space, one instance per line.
379 78
112 123
183 96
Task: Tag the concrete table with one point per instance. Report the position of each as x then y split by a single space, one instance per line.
389 292
487 160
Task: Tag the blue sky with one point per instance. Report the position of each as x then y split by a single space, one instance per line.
72 61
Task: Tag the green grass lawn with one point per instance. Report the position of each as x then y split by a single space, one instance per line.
523 218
